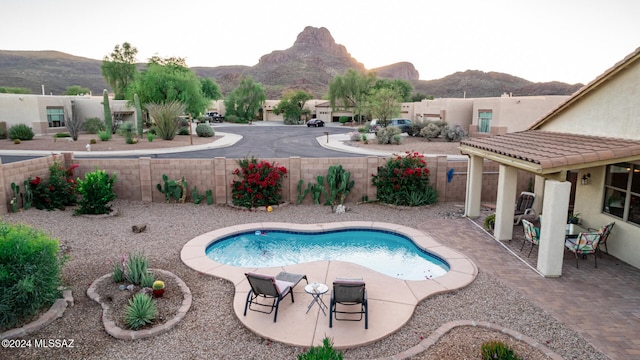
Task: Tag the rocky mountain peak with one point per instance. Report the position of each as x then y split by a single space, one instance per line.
319 39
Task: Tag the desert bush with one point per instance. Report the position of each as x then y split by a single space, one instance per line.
497 350
354 136
324 352
430 131
142 310
104 135
61 135
96 192
21 132
404 180
260 183
30 273
184 130
150 136
344 119
204 130
387 135
165 117
58 192
93 125
128 130
455 133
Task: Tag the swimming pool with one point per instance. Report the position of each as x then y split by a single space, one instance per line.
386 252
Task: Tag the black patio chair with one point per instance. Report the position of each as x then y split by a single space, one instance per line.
349 292
270 288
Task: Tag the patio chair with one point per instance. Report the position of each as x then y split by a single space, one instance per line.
270 288
605 230
349 292
531 234
586 243
524 207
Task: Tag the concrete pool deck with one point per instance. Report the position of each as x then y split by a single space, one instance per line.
391 301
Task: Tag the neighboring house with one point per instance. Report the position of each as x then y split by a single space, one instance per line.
594 138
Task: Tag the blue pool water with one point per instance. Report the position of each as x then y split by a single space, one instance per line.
385 252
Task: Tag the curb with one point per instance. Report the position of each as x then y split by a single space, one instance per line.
55 312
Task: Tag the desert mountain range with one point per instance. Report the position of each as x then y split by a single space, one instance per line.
310 64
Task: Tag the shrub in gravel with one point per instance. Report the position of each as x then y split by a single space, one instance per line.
455 133
21 132
30 266
96 192
104 135
404 180
325 351
204 130
355 136
93 125
136 268
58 192
184 130
430 131
497 350
142 310
387 135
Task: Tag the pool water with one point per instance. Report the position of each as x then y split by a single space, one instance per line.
385 252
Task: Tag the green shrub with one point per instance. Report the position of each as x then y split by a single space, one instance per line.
387 135
344 119
137 268
404 180
118 272
324 352
496 350
58 192
61 135
150 136
104 135
96 192
142 310
165 117
21 132
430 131
354 136
93 125
30 265
204 130
490 222
152 130
128 130
260 183
147 280
234 119
183 130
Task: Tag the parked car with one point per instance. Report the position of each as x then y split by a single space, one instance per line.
214 116
315 123
403 124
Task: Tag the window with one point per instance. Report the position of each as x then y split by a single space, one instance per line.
484 121
622 192
55 116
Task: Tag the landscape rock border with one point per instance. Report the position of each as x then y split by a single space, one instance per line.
119 333
55 312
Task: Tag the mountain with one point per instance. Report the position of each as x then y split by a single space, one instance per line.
310 64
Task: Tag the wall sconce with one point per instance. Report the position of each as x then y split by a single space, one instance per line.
585 179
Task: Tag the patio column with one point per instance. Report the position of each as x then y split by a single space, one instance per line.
506 202
538 189
552 229
474 186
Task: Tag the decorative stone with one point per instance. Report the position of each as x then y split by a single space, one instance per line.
130 287
122 287
340 209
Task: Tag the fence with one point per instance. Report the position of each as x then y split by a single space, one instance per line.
137 178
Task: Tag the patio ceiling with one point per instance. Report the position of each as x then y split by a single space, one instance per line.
546 153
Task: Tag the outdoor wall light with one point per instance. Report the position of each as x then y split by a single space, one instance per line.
585 179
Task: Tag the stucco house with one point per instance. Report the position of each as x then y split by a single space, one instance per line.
594 137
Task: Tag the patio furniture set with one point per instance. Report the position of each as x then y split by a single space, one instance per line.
268 291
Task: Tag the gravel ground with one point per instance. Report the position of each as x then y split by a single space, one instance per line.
211 330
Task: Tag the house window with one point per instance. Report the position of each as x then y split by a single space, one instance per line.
484 121
55 116
622 192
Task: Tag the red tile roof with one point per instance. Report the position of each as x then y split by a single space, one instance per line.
547 150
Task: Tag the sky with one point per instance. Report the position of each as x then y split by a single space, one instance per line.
571 41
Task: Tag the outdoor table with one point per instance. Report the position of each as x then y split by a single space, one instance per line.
572 231
316 290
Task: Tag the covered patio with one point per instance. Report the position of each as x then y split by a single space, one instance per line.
550 156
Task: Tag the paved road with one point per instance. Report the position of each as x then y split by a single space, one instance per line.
263 140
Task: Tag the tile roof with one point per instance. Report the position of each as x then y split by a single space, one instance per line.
546 150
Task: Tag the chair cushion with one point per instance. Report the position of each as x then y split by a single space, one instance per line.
283 286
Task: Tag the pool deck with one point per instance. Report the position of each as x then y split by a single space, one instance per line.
391 301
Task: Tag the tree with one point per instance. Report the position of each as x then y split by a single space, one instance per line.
166 80
14 90
245 100
291 105
119 69
351 91
210 89
76 90
402 87
419 96
384 104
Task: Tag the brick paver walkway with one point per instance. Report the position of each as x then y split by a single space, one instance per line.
602 304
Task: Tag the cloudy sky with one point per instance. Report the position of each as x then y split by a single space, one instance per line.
540 40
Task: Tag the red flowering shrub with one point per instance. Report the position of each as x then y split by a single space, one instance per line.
260 183
58 192
404 180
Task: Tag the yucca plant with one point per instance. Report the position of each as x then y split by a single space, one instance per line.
165 117
137 268
497 350
142 310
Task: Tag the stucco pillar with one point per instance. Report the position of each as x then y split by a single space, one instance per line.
538 189
506 202
552 229
474 186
